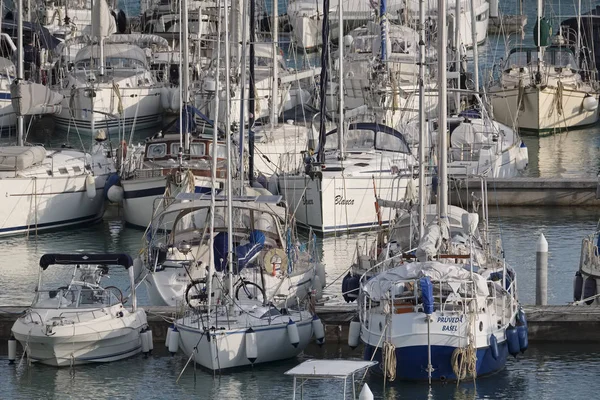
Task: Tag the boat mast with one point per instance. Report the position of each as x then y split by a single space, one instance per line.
215 139
185 75
242 96
475 46
20 74
422 126
323 82
251 99
442 111
341 149
539 36
275 87
228 141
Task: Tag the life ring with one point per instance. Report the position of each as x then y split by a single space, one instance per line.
274 260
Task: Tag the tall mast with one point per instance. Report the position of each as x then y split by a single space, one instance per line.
228 141
457 52
211 264
275 87
186 73
443 110
475 45
243 97
340 132
539 31
422 126
324 80
251 99
20 74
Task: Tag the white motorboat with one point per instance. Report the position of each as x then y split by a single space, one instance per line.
270 265
78 321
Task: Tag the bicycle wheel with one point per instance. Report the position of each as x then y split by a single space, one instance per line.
249 291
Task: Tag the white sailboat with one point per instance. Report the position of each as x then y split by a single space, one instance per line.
46 189
83 321
110 85
542 89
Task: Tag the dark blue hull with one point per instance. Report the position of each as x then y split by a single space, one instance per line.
411 362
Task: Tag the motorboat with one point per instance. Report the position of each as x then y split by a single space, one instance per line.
79 320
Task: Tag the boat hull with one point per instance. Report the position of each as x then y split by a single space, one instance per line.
337 204
227 348
412 361
538 112
38 204
103 340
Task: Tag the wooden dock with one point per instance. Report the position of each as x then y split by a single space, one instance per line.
545 323
531 192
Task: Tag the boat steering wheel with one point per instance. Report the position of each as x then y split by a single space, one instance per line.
120 293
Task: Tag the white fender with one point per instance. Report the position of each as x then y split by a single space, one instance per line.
174 341
115 194
293 334
354 334
251 345
318 330
90 186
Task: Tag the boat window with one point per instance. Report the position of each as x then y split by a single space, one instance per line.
111 62
400 46
63 170
76 169
359 139
221 151
388 142
560 58
363 44
197 149
174 148
482 16
521 59
156 150
263 62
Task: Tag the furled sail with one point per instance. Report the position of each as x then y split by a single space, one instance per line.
29 98
103 23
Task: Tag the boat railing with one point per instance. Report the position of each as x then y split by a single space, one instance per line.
74 298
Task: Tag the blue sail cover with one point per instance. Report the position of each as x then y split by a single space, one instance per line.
427 294
243 254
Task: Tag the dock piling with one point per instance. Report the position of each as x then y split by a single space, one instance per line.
541 271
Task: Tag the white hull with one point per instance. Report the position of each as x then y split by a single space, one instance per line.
141 109
140 196
36 204
101 339
8 118
539 109
227 347
337 203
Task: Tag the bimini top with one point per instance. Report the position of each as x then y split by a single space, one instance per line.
73 259
329 368
115 51
370 135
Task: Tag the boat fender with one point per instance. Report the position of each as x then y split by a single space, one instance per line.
523 334
354 334
251 345
320 268
169 329
144 339
589 103
293 334
318 330
12 349
577 286
521 317
589 289
150 340
513 341
174 341
115 194
90 186
494 346
318 287
365 393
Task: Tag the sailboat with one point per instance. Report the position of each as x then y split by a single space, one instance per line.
544 90
47 189
353 165
448 311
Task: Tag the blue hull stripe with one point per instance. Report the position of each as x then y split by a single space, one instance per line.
411 362
5 96
49 225
157 191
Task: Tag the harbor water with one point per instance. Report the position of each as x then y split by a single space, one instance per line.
545 371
